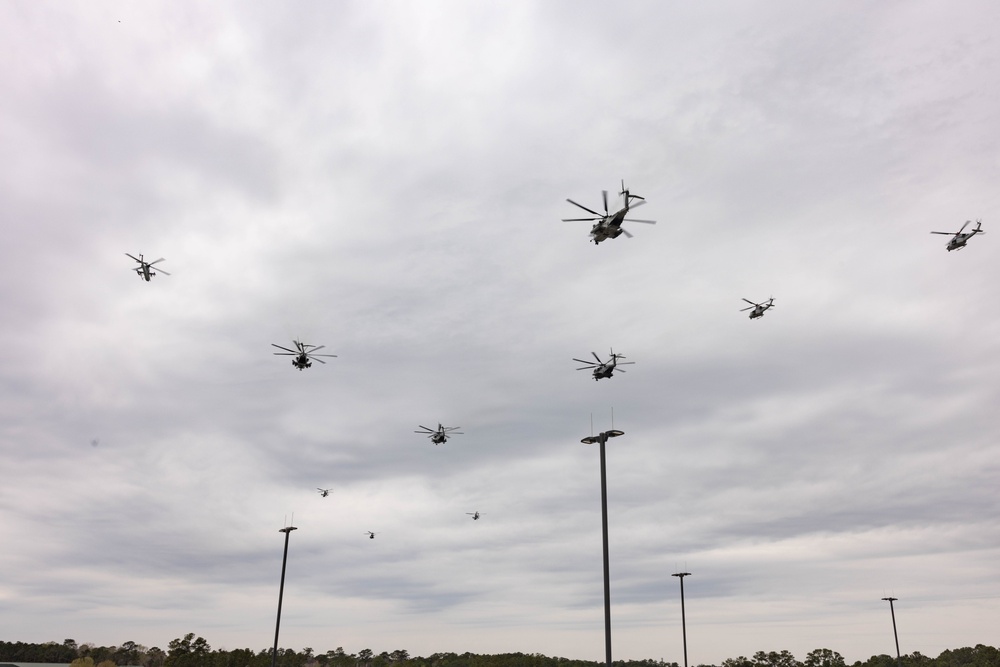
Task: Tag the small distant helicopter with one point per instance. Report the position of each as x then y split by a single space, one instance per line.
604 369
304 354
371 535
439 436
323 492
758 308
474 515
958 239
609 225
145 269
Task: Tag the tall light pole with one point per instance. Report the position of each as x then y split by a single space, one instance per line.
601 439
684 633
895 636
281 592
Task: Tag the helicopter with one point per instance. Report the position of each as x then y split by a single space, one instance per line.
323 492
440 436
474 515
609 225
758 308
145 269
371 535
304 354
604 369
959 239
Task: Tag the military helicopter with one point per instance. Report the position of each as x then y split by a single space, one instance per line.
304 354
604 369
474 515
440 436
758 308
145 269
959 239
609 225
371 535
323 492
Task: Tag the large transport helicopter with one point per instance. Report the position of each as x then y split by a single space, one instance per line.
758 308
604 369
440 435
474 515
304 354
145 269
609 225
958 239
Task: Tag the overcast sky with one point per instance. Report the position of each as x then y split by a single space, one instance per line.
387 179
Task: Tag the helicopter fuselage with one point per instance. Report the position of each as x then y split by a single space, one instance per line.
301 362
609 227
959 241
604 371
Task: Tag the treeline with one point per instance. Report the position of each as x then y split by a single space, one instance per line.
191 651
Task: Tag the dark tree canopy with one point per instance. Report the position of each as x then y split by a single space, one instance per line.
194 651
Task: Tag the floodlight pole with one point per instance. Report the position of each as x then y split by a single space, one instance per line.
281 592
602 439
894 634
681 575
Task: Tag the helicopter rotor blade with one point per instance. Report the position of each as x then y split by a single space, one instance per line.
599 362
584 208
623 363
155 261
604 194
637 204
751 302
747 308
946 233
580 219
967 222
645 222
283 348
135 258
626 232
162 271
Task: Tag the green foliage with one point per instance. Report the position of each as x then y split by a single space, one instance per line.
189 652
775 659
823 657
193 651
980 656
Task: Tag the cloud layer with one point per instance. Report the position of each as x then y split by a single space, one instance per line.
387 179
